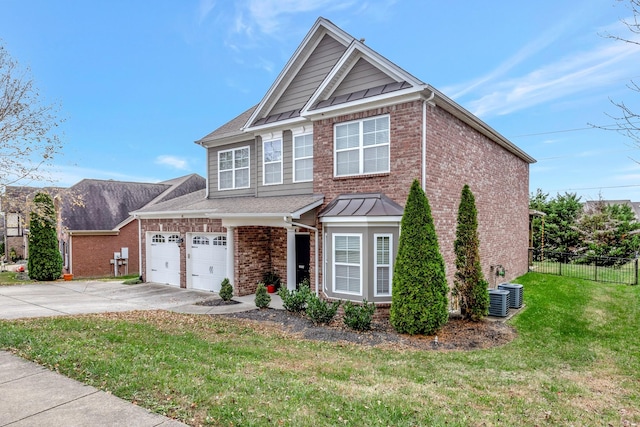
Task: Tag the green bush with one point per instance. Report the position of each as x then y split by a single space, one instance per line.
226 290
262 297
419 297
295 301
320 311
45 260
469 283
359 317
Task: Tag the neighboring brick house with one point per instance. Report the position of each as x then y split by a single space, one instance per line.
15 206
96 222
312 181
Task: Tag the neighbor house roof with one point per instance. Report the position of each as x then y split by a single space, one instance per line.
95 205
635 206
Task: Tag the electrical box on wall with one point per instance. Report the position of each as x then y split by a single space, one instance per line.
124 253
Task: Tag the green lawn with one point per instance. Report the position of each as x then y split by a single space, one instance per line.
576 361
10 278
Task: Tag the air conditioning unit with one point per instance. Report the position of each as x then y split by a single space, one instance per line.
515 300
498 302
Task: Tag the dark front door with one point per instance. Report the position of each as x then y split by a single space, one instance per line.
302 257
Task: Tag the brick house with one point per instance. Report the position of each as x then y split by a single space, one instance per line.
95 222
15 206
311 182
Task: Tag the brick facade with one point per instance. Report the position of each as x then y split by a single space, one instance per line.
92 254
456 154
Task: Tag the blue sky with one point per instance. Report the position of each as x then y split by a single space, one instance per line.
139 81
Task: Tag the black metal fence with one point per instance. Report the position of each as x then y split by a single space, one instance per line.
599 269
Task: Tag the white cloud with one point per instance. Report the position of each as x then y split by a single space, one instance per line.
585 71
204 9
172 161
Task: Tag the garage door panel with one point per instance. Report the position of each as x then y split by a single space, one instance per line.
164 258
207 261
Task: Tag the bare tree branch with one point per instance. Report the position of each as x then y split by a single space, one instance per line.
29 128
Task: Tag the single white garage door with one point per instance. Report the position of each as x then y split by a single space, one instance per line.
207 261
163 255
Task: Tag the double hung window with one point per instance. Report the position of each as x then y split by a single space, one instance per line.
347 251
272 162
362 147
303 158
233 169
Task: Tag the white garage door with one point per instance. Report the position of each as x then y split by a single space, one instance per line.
207 261
163 255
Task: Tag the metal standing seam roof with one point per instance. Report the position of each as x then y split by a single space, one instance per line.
362 204
361 94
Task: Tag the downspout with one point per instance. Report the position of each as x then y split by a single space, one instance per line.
315 241
70 249
424 139
140 247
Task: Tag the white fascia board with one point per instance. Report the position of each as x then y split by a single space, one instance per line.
475 122
300 212
350 221
93 232
391 98
260 221
279 125
299 57
217 142
169 214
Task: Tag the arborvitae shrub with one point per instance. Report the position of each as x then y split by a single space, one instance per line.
419 295
262 297
469 284
45 260
226 290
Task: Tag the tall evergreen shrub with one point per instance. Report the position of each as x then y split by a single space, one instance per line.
45 260
469 283
419 295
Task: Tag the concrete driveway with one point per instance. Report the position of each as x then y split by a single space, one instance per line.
76 297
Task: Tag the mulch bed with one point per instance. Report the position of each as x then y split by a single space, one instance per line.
457 334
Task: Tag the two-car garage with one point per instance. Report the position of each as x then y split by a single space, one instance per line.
206 255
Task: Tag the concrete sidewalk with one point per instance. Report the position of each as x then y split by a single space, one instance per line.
31 395
34 396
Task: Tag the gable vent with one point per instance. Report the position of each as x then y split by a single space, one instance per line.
515 291
498 303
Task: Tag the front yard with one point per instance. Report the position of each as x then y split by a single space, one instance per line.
575 362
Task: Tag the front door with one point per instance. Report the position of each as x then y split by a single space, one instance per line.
302 257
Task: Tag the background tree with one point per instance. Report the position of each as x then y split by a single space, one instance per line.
562 213
608 231
28 138
45 261
469 284
419 296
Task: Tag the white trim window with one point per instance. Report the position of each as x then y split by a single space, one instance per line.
272 162
362 147
347 263
303 158
233 168
382 266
